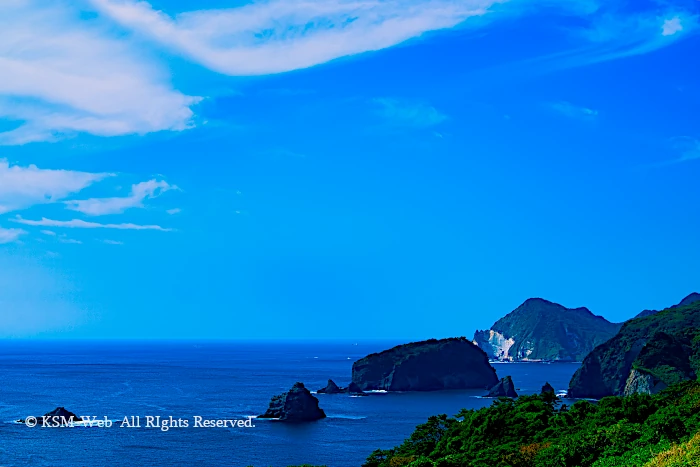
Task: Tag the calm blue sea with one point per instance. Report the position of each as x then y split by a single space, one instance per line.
213 380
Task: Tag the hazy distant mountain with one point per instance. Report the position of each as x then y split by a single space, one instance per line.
690 299
542 330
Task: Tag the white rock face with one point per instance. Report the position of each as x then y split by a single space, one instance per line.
495 344
639 382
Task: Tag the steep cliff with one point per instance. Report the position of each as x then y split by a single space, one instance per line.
430 365
647 354
542 330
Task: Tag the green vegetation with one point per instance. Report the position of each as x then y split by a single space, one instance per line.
539 431
665 345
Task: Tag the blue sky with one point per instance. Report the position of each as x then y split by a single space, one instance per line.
342 169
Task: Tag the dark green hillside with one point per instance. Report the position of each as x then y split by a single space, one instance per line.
647 354
542 330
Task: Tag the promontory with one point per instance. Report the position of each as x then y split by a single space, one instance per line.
541 330
431 365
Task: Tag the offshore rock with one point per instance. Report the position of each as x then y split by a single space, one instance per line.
331 388
58 416
431 365
547 389
504 388
295 405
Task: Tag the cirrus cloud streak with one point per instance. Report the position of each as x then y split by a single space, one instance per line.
278 36
81 224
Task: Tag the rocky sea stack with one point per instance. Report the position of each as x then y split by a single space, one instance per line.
332 388
547 389
504 388
647 355
430 365
542 330
58 416
295 405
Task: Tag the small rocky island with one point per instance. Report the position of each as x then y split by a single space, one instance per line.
504 388
332 388
58 416
295 405
431 365
547 389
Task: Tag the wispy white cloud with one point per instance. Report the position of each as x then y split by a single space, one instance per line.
70 241
22 187
62 75
81 224
612 35
112 242
116 205
409 113
10 235
689 149
277 35
573 111
174 211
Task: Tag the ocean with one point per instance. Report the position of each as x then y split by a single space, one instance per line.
212 380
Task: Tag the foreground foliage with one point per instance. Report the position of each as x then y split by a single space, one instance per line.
540 431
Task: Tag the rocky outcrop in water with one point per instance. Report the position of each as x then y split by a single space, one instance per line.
542 330
295 405
504 388
331 388
430 365
58 416
547 389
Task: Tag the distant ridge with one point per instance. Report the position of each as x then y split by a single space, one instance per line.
690 299
542 330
